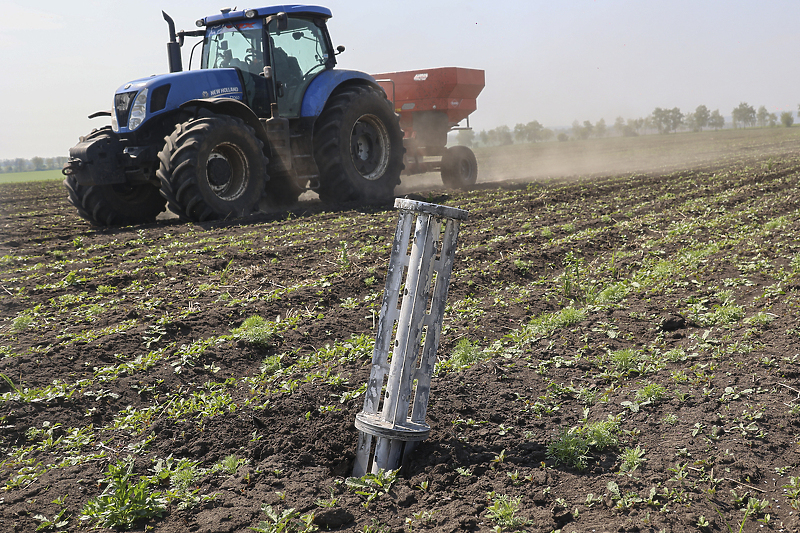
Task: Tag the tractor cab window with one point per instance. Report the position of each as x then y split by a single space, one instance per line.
299 53
235 45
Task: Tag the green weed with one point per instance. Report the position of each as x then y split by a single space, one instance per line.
123 501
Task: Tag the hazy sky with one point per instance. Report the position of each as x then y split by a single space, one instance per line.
554 61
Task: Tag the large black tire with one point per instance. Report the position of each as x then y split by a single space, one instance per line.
213 168
459 168
358 147
114 205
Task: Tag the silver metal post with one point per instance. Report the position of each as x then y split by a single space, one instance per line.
400 421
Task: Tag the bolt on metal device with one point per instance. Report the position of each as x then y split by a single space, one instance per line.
411 331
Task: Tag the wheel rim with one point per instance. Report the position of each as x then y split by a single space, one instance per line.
227 171
369 147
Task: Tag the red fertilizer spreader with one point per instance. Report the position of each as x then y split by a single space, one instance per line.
431 103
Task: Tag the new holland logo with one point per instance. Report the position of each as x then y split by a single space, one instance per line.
224 90
205 94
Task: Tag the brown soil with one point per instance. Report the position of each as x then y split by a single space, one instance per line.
725 424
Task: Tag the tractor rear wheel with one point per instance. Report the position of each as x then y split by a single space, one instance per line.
358 147
114 205
459 168
213 168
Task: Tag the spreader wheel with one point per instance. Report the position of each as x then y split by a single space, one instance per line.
459 168
213 168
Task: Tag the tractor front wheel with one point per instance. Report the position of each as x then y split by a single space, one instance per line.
358 147
459 168
113 205
213 168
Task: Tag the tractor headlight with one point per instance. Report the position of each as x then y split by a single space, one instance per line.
114 123
138 110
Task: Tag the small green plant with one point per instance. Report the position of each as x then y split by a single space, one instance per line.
625 360
123 502
465 354
51 524
372 485
603 434
632 458
21 323
793 492
652 392
289 521
329 503
569 448
255 330
229 465
503 512
670 419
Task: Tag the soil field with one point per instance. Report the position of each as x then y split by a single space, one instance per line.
619 353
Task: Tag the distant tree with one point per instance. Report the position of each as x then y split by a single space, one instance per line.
787 119
773 120
659 119
530 132
465 137
600 129
38 163
563 137
619 126
19 165
715 120
484 137
690 121
701 116
744 115
667 120
546 134
578 131
762 115
520 135
637 123
500 136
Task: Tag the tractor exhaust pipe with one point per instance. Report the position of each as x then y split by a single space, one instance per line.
173 47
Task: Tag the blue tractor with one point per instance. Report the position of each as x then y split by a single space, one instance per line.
266 117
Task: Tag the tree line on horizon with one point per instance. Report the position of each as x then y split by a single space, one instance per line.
661 120
20 164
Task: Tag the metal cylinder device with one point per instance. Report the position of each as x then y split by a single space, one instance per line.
409 326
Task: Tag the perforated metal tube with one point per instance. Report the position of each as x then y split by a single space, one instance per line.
400 419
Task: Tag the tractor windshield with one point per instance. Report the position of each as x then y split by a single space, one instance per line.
299 53
235 45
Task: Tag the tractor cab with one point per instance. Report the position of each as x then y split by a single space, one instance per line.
278 54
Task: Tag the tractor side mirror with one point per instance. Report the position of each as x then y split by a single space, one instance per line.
339 49
283 21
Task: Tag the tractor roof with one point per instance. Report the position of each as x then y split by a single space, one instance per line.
261 12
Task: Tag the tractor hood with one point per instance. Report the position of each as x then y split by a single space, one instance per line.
139 100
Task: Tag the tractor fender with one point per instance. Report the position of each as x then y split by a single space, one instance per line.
326 83
229 106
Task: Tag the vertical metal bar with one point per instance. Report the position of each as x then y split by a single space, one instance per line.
405 320
388 315
434 321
